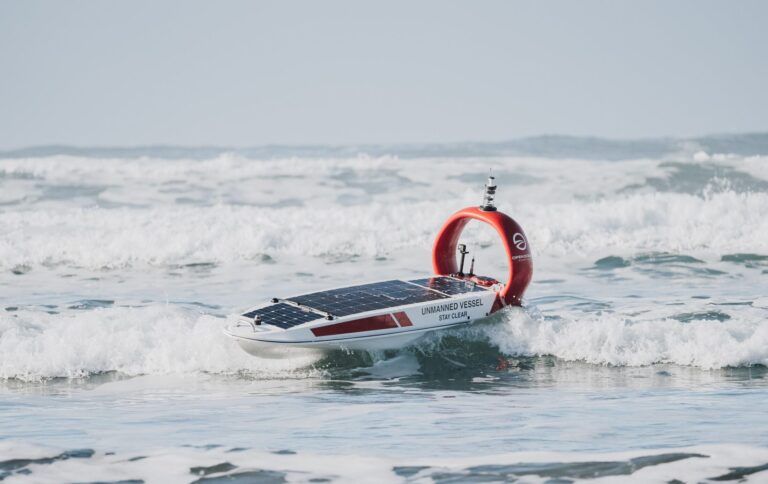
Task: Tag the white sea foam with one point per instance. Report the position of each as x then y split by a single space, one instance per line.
144 340
171 465
618 339
94 213
95 238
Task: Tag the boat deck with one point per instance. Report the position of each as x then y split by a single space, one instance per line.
347 301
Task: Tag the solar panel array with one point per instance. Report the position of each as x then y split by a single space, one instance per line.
357 299
367 297
282 315
448 285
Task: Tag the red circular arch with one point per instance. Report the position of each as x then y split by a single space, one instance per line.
512 237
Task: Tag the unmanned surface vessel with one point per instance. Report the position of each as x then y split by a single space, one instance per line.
391 314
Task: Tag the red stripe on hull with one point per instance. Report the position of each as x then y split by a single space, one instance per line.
373 323
403 319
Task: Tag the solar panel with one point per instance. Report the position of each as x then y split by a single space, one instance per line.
448 285
367 297
282 315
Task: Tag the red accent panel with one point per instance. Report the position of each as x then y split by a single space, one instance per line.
512 237
373 323
403 319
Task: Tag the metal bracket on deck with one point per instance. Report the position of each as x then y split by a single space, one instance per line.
309 309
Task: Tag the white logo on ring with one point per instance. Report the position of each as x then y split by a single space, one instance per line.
519 241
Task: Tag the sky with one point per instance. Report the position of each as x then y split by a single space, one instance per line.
248 73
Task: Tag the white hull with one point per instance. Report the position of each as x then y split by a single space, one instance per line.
272 349
387 328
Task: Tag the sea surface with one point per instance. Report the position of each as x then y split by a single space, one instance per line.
639 356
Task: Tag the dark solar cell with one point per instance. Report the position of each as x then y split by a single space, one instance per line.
282 315
448 285
367 297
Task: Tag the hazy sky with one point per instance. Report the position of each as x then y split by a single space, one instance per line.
248 73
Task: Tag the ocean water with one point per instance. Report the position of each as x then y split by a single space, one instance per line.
640 355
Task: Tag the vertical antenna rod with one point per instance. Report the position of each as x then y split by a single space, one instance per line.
463 251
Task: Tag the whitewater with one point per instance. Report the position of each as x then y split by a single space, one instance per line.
640 352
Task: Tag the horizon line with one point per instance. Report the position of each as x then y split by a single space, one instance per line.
412 144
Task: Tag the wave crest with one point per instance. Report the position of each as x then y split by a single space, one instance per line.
156 339
614 339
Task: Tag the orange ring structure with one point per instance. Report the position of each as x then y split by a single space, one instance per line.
513 238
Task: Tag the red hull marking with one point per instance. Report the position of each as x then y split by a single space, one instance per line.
373 323
403 319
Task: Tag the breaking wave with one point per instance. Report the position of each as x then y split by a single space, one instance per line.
156 339
165 339
615 339
97 238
